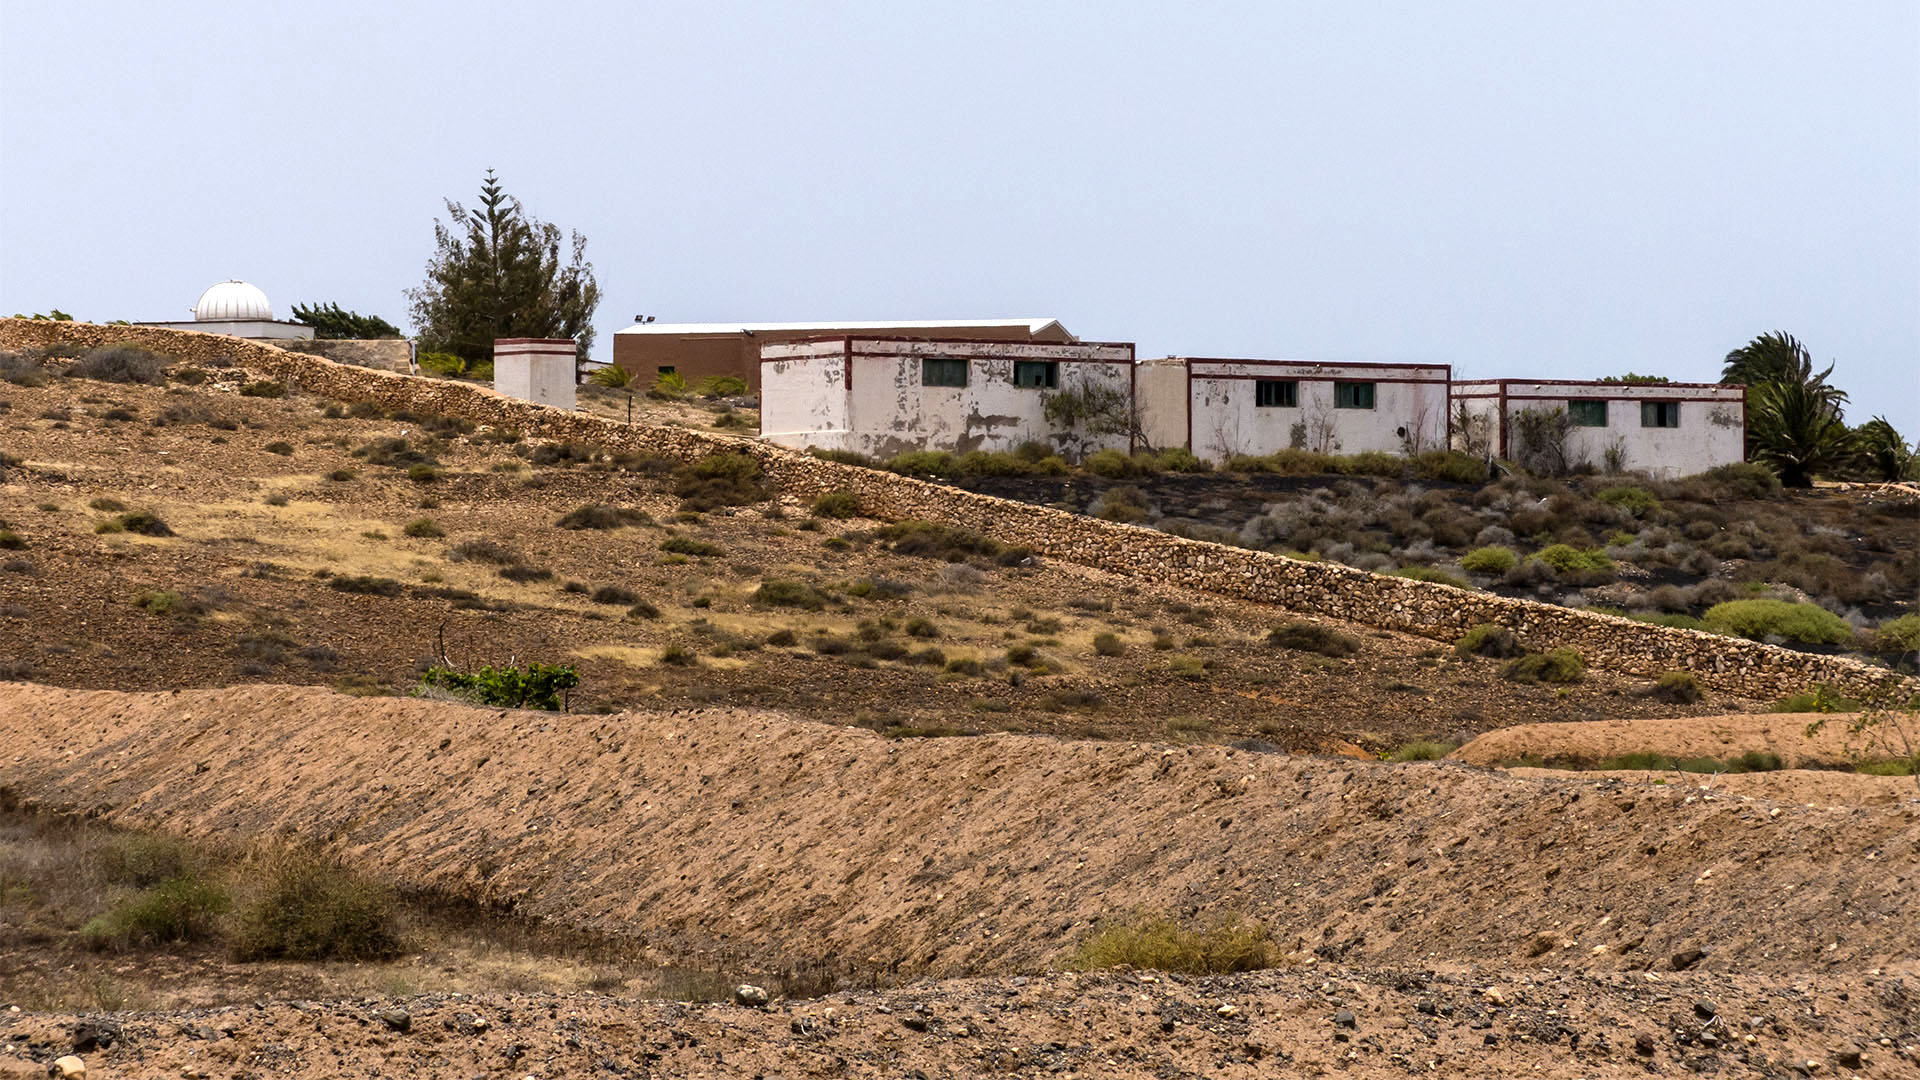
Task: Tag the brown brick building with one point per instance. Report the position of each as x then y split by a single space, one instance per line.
699 350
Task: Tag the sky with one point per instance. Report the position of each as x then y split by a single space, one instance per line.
1518 189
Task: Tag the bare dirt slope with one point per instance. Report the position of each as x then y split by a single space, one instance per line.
1298 1023
1784 734
739 837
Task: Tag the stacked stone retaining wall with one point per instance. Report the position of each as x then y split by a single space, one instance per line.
1434 611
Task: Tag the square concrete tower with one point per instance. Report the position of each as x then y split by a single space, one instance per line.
535 369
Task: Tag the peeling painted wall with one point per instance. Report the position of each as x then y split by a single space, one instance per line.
1712 418
1409 408
884 409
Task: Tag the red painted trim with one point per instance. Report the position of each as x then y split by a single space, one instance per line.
1310 363
1296 379
954 340
1133 404
1597 382
1550 397
1503 422
950 356
1189 369
532 341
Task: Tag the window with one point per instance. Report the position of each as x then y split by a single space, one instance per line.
1275 394
1036 373
1659 414
943 372
1587 413
1353 395
665 369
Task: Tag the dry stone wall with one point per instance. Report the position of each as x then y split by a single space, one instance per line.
1435 611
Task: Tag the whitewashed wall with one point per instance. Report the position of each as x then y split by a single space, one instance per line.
1409 408
1712 427
540 371
808 399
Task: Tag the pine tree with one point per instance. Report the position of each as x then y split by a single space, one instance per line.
496 272
329 321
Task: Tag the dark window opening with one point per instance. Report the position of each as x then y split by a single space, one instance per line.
1587 413
1044 374
665 369
1353 395
1660 414
1275 394
943 372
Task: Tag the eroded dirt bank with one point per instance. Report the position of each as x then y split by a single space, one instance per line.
755 839
1304 1022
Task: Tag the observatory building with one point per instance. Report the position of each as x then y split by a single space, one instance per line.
237 309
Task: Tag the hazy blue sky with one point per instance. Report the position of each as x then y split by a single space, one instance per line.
1527 188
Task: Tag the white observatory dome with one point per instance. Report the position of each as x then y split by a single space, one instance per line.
232 300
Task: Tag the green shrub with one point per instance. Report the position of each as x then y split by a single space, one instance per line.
264 388
1489 640
669 385
1889 767
1490 560
643 610
424 528
341 476
1637 501
1187 667
962 665
1570 561
372 586
1676 688
311 908
1228 947
1286 463
108 505
144 522
1430 575
923 463
602 516
1552 666
1108 644
1372 463
722 479
11 541
920 628
1449 465
1820 699
1638 760
845 457
796 594
536 686
179 909
284 449
1178 459
990 463
422 473
1758 620
1423 750
687 545
932 540
1900 635
1112 464
1313 638
121 364
719 386
837 504
677 655
1743 480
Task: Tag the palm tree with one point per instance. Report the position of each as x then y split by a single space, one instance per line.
1794 427
1767 358
1885 450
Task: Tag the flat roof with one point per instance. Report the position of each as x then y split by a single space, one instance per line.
1033 326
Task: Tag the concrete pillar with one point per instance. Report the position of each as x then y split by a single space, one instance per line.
535 369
